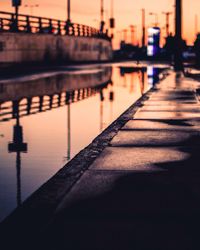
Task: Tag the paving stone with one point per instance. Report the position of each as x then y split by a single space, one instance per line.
174 92
171 97
182 125
155 138
173 103
102 182
136 159
166 115
169 108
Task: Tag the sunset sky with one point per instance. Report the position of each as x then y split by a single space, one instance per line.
126 12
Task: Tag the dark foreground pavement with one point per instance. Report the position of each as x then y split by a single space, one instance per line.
143 191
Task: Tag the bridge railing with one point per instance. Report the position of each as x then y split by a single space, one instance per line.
42 25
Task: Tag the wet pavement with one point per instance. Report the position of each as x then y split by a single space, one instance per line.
143 191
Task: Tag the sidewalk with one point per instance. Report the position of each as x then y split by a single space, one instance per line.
143 192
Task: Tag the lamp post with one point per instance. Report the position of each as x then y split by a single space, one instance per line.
112 19
102 10
16 16
16 4
178 60
196 25
125 35
120 35
156 18
143 28
68 22
133 29
167 14
68 11
102 22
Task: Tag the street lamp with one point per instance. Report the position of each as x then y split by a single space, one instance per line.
102 23
133 29
167 14
120 36
16 4
156 18
178 60
125 35
196 25
143 27
112 19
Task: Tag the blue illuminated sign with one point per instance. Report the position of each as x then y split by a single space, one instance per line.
153 41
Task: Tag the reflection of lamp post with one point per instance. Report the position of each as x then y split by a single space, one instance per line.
111 99
101 109
68 103
156 18
17 146
69 132
143 81
31 6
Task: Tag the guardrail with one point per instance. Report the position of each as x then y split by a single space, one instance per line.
42 25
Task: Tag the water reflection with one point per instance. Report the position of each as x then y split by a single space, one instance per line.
60 115
18 146
68 133
46 94
153 75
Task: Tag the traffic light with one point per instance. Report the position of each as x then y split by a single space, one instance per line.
16 3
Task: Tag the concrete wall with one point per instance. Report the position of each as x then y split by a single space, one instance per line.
21 48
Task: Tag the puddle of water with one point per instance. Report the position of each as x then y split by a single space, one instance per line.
46 121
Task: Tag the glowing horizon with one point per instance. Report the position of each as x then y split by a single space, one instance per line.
127 14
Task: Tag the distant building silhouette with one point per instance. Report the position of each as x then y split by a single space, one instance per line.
197 50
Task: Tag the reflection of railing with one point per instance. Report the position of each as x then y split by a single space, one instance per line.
130 70
29 106
41 25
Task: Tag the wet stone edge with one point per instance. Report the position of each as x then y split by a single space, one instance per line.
38 209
